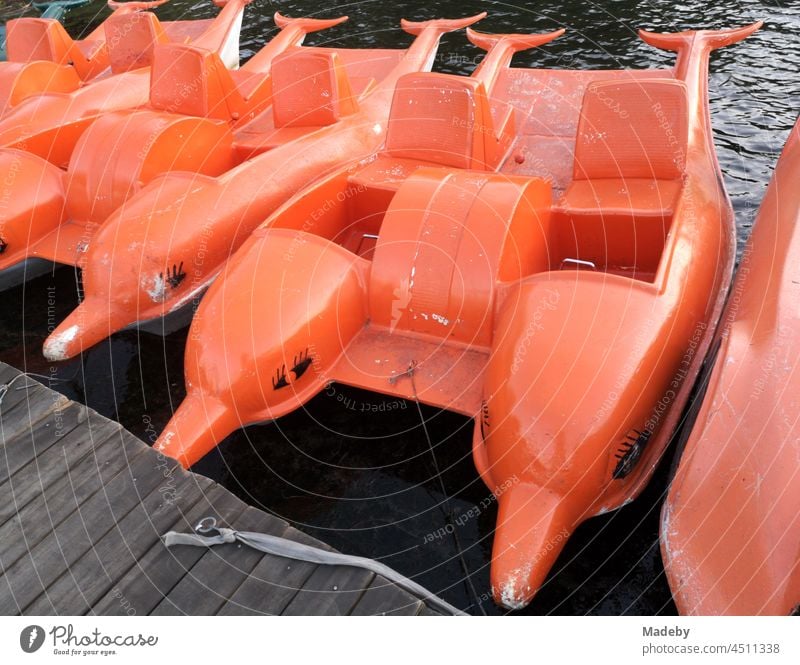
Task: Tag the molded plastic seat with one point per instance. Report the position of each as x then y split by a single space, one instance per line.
636 196
435 120
446 120
631 146
310 89
193 81
32 39
629 167
131 40
633 129
290 116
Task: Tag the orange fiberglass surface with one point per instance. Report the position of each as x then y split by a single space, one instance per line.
43 58
163 246
731 524
55 9
52 213
545 251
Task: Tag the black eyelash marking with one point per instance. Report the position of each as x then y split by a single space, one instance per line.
279 380
630 452
301 364
484 419
175 276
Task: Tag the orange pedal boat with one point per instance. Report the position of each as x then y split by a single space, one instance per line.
42 57
46 104
52 215
163 246
55 9
545 251
731 523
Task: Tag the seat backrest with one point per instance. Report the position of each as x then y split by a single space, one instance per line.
633 129
190 80
440 118
31 39
131 40
310 88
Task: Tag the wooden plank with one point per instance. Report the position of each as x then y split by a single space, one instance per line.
272 584
58 501
384 597
14 427
36 439
40 473
61 499
7 372
144 586
220 571
24 391
74 420
331 590
21 389
36 403
71 539
89 578
38 520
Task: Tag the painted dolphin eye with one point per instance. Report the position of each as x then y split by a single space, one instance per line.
174 276
280 380
301 364
3 245
630 451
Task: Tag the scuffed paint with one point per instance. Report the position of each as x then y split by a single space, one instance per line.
511 596
161 445
158 290
56 346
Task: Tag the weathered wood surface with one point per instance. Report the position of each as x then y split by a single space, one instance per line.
83 506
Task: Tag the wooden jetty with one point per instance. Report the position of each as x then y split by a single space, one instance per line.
83 507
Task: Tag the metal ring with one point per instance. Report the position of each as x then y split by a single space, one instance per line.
206 525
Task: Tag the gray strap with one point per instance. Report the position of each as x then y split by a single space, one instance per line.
299 552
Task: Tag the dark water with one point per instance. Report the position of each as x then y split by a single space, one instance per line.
346 468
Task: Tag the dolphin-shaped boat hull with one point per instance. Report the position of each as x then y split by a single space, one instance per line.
568 313
730 535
